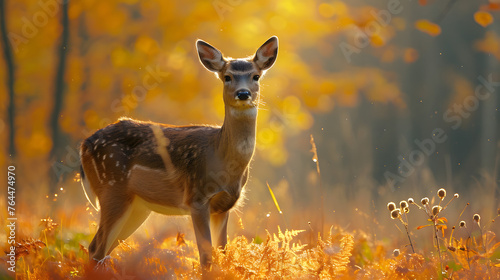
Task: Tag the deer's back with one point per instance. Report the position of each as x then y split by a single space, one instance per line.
115 151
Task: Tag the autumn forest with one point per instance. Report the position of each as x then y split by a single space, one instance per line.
377 152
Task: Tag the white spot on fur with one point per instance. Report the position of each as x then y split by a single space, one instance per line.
110 155
96 171
104 157
144 168
117 163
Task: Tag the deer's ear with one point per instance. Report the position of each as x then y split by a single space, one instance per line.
267 53
210 57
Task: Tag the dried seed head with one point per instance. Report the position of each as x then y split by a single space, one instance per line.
406 209
441 193
403 204
395 213
436 209
462 224
391 206
456 195
476 218
396 252
411 201
451 248
425 200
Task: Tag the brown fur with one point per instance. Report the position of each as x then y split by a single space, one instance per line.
136 167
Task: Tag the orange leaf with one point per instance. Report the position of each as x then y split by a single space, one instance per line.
490 7
443 220
421 227
428 27
410 55
494 6
180 239
422 2
490 44
483 18
443 227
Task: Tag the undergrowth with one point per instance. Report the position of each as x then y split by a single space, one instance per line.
464 250
467 257
340 255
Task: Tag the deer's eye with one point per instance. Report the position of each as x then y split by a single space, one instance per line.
256 77
227 78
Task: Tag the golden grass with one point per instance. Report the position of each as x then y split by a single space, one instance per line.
446 247
340 255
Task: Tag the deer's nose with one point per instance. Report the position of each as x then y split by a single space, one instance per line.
243 94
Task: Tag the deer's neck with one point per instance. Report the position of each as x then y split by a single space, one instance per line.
237 136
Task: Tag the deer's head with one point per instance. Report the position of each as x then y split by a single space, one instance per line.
240 76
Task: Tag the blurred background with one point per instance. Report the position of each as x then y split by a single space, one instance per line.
401 98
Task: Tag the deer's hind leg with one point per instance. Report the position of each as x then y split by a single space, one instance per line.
121 215
136 216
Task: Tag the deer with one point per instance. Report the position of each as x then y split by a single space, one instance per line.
133 167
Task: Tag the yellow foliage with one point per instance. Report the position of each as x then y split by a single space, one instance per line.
490 44
335 9
428 27
483 18
410 55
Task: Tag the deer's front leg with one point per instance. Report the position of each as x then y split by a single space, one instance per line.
218 225
201 224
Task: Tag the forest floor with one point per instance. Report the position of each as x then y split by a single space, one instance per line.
47 253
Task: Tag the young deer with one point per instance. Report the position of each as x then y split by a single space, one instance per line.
136 167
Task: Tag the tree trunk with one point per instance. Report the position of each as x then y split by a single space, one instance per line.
59 85
9 63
